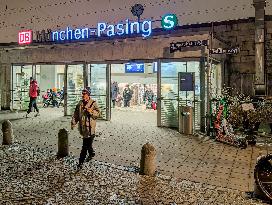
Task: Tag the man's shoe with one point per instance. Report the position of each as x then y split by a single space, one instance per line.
26 116
79 166
89 158
38 114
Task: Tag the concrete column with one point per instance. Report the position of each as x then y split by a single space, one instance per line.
63 144
7 132
259 46
148 157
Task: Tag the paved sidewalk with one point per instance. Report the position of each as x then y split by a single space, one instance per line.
34 176
194 158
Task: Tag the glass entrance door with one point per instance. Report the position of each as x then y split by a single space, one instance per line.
98 81
168 89
50 77
169 96
20 86
75 84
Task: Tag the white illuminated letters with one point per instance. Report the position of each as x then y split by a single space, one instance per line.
110 31
100 28
69 33
55 36
77 34
85 31
120 29
146 28
104 30
61 37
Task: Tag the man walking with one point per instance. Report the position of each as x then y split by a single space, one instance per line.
85 115
127 95
33 94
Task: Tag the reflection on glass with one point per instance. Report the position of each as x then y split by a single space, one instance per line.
74 86
20 83
49 77
169 93
172 98
172 69
98 85
194 67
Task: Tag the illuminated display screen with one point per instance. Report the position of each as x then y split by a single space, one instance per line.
134 68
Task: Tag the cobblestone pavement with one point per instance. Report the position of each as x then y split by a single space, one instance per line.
35 176
194 158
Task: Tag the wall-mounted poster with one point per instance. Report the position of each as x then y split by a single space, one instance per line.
186 82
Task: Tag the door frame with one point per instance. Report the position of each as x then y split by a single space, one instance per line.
123 62
66 82
108 80
159 98
12 80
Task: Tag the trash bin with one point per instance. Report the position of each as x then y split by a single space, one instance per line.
186 120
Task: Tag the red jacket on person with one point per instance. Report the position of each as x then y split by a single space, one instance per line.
33 89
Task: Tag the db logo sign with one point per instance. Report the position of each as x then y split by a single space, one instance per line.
25 37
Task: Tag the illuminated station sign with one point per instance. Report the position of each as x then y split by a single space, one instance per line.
124 28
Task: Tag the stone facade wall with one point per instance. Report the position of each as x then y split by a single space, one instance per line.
268 56
241 67
124 49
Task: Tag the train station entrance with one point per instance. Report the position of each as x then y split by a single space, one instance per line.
131 74
145 86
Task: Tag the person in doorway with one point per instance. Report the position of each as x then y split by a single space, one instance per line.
119 100
148 98
85 115
127 95
55 97
114 92
33 94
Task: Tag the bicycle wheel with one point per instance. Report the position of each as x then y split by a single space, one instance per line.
263 176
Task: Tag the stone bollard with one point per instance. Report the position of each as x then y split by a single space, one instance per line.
148 157
63 145
7 132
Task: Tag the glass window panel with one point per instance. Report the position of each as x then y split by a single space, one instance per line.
169 92
98 86
74 86
20 83
172 69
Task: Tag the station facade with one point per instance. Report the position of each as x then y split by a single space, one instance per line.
219 54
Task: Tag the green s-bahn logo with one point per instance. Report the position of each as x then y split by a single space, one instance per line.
169 21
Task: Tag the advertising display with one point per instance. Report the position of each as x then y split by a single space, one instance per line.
186 82
134 68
